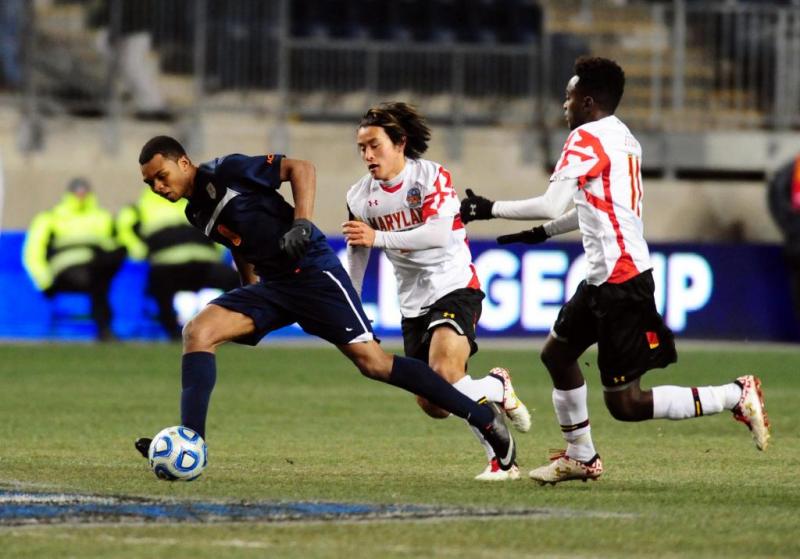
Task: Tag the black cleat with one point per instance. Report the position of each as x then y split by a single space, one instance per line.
143 445
499 438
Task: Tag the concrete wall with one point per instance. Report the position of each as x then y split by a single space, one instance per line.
491 165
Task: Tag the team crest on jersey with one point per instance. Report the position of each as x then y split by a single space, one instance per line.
414 198
212 192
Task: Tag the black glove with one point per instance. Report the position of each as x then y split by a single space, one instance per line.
475 207
530 237
296 240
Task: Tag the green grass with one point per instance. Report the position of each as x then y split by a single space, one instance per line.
301 424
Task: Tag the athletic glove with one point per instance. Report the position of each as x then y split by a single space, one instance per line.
530 237
296 240
475 207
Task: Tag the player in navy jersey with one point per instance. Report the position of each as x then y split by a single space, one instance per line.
289 274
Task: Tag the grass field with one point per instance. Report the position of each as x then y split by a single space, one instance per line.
300 424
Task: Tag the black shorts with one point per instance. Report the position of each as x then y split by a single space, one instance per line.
459 310
622 318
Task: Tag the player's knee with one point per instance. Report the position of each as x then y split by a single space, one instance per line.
197 334
433 411
550 357
626 409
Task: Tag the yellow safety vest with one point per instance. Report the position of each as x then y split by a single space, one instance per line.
157 230
66 235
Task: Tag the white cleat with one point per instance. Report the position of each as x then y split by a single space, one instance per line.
494 473
751 411
513 407
563 468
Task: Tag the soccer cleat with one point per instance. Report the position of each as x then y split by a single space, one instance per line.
143 445
564 468
494 473
513 407
499 438
751 411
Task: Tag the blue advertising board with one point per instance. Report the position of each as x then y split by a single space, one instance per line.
705 291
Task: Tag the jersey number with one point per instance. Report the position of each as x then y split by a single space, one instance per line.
635 174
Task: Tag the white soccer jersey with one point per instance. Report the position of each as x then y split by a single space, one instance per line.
422 191
605 158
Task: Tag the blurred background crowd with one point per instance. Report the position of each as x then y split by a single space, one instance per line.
712 93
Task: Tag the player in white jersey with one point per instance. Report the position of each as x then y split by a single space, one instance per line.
408 207
600 171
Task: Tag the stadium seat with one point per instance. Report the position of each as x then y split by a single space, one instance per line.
479 21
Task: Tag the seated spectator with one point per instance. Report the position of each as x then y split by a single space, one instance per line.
72 248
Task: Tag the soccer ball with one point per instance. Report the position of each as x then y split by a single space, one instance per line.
178 454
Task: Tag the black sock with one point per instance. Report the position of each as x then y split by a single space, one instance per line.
198 376
417 377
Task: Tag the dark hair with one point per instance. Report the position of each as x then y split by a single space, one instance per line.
601 79
400 121
168 147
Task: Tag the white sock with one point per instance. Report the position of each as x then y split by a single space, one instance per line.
573 416
732 394
681 402
487 387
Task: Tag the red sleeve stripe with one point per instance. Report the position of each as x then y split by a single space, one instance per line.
591 141
435 200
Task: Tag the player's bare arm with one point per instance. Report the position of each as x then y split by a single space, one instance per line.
302 175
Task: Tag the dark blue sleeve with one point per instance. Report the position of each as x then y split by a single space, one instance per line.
261 170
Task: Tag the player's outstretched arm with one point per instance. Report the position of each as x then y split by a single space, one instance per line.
529 237
550 205
540 233
475 207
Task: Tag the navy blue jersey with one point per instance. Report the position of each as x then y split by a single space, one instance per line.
236 203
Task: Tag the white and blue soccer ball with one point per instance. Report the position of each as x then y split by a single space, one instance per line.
178 454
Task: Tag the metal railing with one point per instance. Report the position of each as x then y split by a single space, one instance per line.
690 66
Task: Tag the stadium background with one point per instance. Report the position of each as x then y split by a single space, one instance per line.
713 93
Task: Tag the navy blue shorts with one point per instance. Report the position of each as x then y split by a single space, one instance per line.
323 302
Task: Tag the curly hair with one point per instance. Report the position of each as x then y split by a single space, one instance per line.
168 147
601 79
401 121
